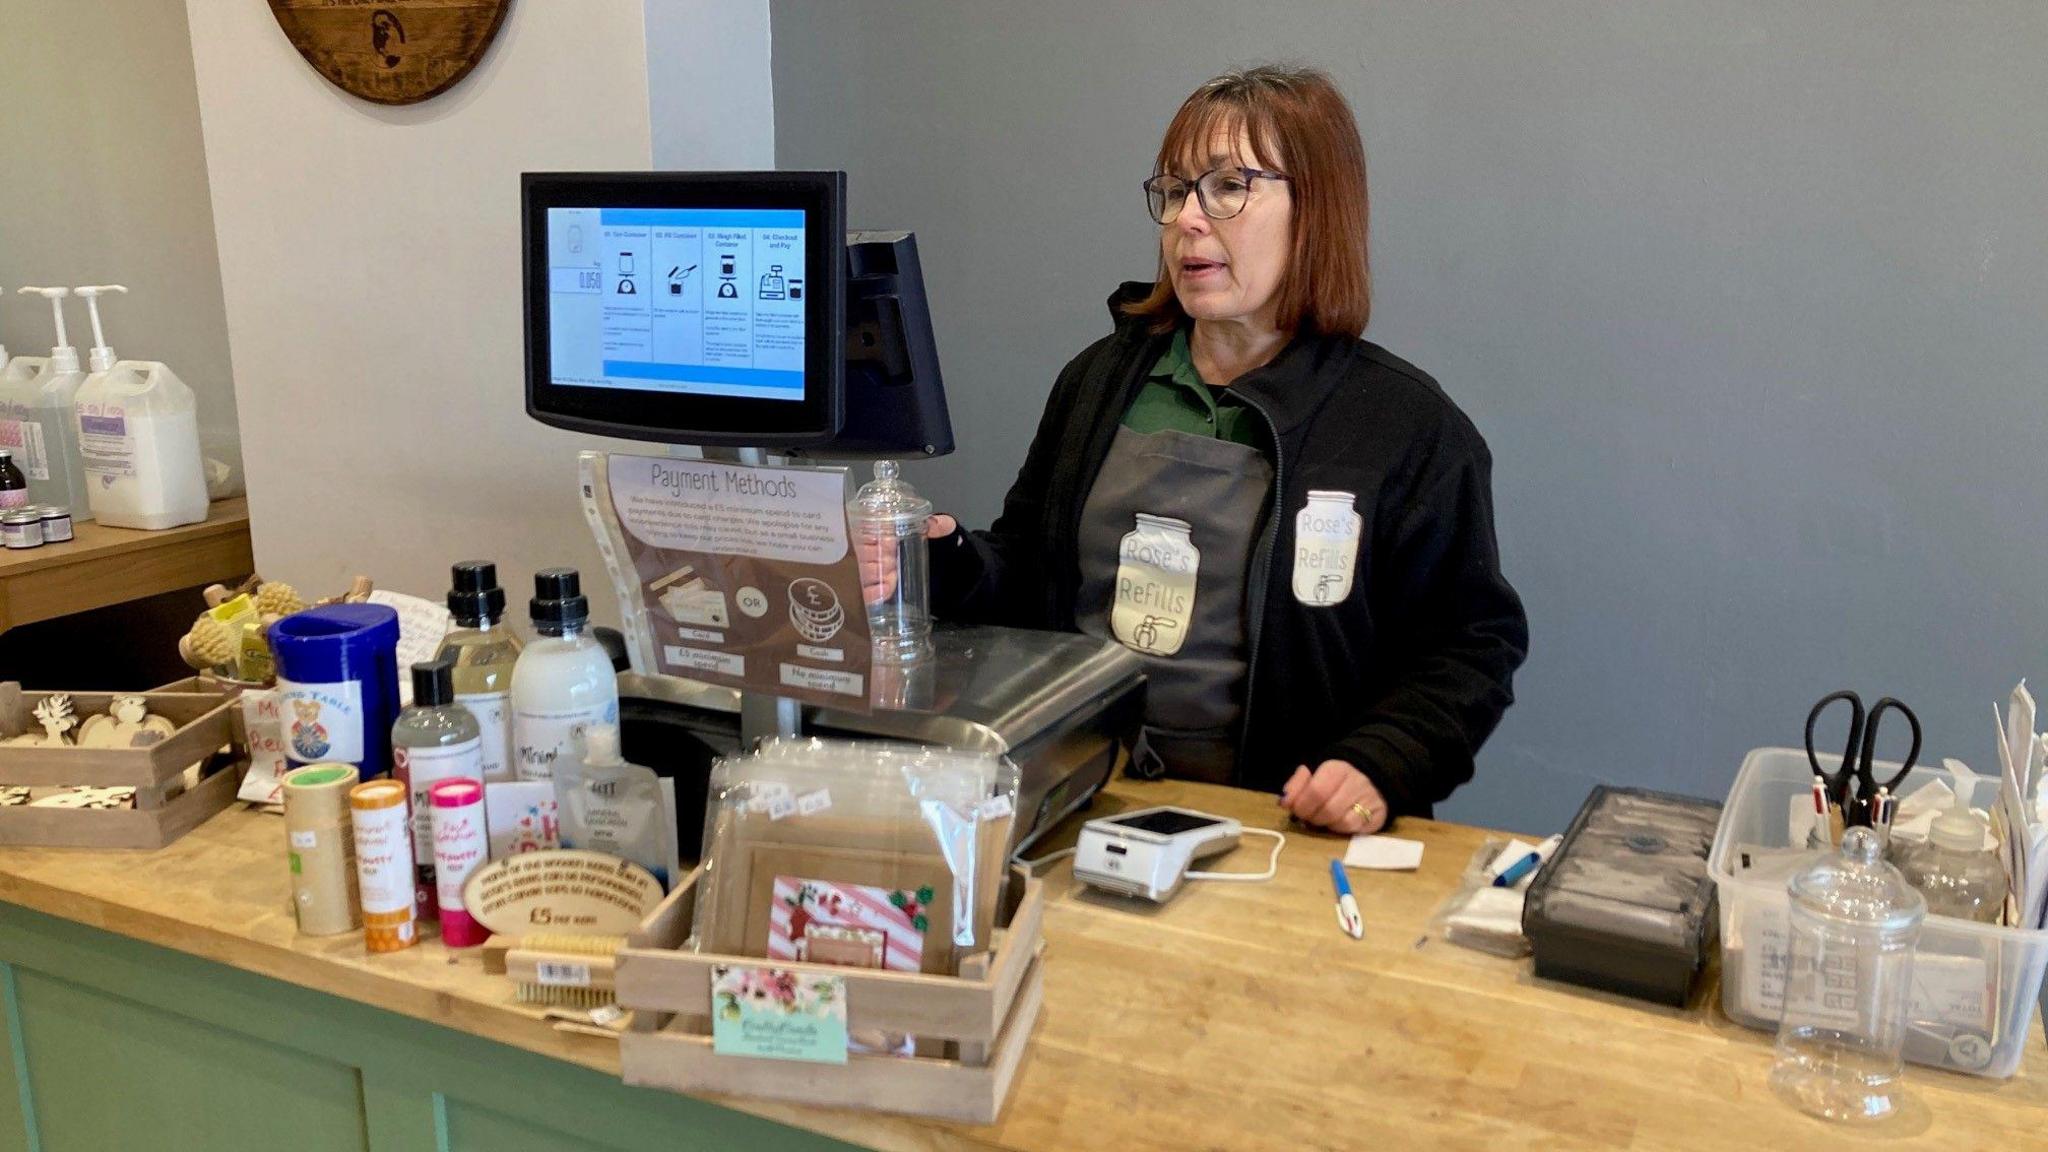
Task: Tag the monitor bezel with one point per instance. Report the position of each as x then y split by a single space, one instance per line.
723 421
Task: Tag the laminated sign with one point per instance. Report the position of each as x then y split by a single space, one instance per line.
743 576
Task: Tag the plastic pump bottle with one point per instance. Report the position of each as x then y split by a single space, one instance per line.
563 682
36 395
138 431
1954 871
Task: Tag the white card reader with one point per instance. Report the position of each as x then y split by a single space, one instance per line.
1147 853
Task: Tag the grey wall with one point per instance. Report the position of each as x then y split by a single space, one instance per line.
1747 297
103 179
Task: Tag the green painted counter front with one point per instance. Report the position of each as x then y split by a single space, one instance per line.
114 1045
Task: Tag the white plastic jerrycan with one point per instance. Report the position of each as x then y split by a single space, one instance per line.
138 431
36 396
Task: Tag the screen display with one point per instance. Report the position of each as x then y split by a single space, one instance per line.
1167 823
681 301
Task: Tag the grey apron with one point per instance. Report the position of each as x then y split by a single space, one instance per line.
1166 538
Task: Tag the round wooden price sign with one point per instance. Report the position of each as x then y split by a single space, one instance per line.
391 51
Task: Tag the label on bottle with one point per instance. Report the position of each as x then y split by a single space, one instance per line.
420 768
540 737
384 863
104 441
493 712
322 721
25 439
461 846
1155 586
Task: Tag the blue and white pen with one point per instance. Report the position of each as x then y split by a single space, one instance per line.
1513 873
1347 907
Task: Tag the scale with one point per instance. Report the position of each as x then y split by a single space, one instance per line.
828 356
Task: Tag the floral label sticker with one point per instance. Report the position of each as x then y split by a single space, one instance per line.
776 1014
852 925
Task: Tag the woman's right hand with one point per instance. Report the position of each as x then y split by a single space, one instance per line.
878 563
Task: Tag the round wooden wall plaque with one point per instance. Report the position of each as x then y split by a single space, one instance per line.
391 51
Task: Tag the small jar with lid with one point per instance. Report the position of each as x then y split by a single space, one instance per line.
22 528
56 523
889 519
13 483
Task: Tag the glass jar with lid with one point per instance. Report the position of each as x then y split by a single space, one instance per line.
1855 923
889 518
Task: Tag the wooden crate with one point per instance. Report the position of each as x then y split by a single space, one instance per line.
980 1020
207 733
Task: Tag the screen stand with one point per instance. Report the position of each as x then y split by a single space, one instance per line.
762 716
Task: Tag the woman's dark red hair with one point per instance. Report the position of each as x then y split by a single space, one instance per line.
1298 123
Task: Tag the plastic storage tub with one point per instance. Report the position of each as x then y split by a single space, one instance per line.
1974 985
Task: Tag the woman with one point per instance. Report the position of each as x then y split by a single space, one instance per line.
1292 527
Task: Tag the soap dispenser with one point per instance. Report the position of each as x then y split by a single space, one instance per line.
36 396
138 430
1954 871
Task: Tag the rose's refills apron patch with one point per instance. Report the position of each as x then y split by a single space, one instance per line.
1326 532
1155 585
1166 541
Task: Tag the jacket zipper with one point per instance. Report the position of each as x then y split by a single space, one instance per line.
1261 568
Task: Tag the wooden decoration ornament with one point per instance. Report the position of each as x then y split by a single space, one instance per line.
56 716
391 51
126 724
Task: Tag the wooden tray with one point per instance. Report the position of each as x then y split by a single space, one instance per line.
208 732
152 824
204 723
980 1019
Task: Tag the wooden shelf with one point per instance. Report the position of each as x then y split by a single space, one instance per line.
113 565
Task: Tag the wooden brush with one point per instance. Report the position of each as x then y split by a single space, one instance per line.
552 968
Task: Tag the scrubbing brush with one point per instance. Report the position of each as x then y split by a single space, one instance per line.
551 968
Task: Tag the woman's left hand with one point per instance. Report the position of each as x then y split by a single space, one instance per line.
1333 796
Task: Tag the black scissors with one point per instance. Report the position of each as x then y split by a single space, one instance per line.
1857 759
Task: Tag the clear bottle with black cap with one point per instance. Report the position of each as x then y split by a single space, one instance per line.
484 649
563 682
435 739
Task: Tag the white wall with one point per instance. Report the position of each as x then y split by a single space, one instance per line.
709 84
371 262
103 179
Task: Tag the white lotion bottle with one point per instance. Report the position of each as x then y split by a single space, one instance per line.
138 431
36 395
563 682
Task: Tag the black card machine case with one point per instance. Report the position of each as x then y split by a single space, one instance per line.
1626 904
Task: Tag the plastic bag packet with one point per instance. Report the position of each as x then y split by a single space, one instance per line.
607 805
867 854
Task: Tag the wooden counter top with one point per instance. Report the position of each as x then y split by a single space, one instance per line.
113 565
1236 1017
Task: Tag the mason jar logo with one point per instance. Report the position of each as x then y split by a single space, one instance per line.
1326 533
1157 564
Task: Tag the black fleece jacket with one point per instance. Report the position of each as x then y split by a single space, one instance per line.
1404 679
